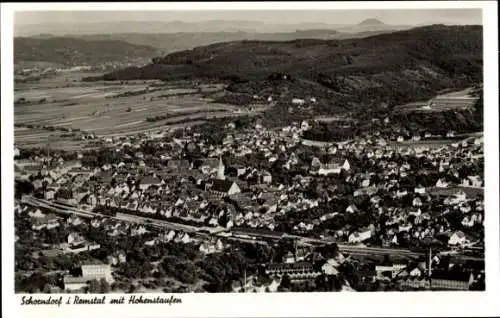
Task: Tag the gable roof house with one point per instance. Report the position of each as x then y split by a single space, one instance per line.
223 187
360 235
352 209
458 238
335 165
49 221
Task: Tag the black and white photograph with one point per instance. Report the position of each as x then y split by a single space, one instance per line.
249 151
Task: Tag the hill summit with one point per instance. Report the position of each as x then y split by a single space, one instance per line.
371 22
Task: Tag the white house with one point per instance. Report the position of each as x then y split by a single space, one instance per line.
360 236
475 181
97 272
329 268
394 269
405 228
351 209
49 221
394 240
185 239
468 222
365 183
416 272
417 202
478 141
75 239
49 194
267 178
458 198
74 283
401 193
334 166
441 184
298 101
458 238
419 190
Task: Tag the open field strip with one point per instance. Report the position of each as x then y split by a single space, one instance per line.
458 94
73 92
31 133
20 129
33 136
121 117
84 106
128 124
443 102
126 132
68 123
78 118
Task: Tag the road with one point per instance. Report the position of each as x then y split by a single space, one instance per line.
344 248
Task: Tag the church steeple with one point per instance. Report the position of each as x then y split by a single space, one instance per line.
220 170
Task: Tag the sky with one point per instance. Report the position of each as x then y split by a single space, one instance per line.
408 16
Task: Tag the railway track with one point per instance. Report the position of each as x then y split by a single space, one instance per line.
345 248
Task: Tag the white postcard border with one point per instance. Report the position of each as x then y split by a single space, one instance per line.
278 304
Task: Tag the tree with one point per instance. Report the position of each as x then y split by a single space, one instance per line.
320 283
329 250
285 282
104 286
94 286
47 289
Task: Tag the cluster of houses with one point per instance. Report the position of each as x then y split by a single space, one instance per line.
209 193
453 191
235 193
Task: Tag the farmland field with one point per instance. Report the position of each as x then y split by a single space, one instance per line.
109 108
443 102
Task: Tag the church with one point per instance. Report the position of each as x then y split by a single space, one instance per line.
220 186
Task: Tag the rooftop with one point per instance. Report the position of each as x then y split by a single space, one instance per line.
221 185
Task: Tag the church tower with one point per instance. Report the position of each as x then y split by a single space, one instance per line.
220 170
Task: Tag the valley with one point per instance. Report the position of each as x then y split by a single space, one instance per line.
54 110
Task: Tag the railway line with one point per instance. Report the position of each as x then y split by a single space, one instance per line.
255 237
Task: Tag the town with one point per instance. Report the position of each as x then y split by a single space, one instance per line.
233 206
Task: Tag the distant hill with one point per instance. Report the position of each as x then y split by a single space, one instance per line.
73 51
371 22
152 27
387 69
172 42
